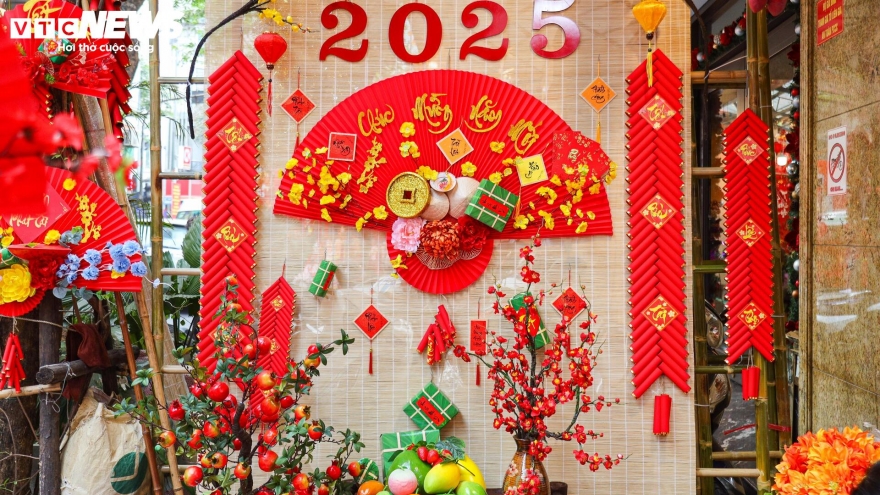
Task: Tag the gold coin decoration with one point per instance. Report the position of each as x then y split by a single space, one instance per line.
408 195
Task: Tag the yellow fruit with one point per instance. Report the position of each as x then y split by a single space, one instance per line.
469 471
371 487
442 478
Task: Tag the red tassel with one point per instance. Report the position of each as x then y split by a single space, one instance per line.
371 359
478 374
270 95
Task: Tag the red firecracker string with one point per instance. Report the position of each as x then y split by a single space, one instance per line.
748 229
12 373
276 320
656 222
231 163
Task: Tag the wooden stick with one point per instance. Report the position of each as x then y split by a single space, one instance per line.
31 390
57 373
50 419
139 395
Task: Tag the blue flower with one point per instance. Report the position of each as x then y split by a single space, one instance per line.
71 277
108 245
138 269
91 273
131 248
121 265
73 260
93 257
116 252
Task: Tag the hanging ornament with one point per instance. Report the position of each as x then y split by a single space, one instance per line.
662 409
12 373
276 319
650 14
478 339
438 338
750 382
796 265
271 47
791 169
323 277
298 105
598 94
371 322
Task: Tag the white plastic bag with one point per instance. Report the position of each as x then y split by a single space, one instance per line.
103 455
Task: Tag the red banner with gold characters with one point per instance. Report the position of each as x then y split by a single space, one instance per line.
656 222
747 227
230 195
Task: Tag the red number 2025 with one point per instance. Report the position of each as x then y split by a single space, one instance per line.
434 31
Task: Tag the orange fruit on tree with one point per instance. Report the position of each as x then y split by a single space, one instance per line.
371 487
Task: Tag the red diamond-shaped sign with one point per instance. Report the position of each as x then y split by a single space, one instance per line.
230 235
234 135
298 106
750 233
570 304
657 112
752 316
660 313
748 150
371 322
658 211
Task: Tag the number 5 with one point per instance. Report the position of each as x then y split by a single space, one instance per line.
569 28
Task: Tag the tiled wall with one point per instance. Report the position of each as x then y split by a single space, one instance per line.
845 334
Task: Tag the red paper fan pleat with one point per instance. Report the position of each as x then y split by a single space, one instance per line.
656 221
21 308
460 91
446 281
230 195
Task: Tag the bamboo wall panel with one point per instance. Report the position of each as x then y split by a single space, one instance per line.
612 45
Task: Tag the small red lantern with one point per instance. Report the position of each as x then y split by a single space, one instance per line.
662 408
270 46
751 377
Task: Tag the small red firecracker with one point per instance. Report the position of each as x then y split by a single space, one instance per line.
12 372
439 337
271 47
750 378
662 407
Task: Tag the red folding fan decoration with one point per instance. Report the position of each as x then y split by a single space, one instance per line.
230 192
71 203
276 318
84 66
657 291
748 223
418 120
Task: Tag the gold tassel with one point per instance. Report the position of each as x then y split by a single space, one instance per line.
599 132
650 66
650 14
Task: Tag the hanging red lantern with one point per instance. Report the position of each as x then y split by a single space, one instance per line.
270 46
751 377
662 408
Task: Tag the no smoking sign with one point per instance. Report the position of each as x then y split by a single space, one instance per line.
837 162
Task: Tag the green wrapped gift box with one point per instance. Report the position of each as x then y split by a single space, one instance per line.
492 205
430 409
369 471
321 283
392 443
535 321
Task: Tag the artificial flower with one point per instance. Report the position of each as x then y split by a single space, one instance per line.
581 228
326 215
291 164
327 181
508 172
397 263
472 233
320 151
345 201
52 237
440 239
405 234
131 248
547 193
468 169
115 251
591 215
594 189
295 194
327 199
520 222
92 257
91 273
427 173
15 284
555 180
7 237
121 265
497 146
407 129
612 173
548 220
343 178
69 184
409 148
359 225
138 269
495 177
380 212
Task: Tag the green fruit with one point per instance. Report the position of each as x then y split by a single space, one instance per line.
442 478
470 488
409 459
470 472
384 492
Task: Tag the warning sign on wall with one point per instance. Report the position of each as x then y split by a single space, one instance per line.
830 20
837 163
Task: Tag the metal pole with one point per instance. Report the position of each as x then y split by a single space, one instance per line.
762 446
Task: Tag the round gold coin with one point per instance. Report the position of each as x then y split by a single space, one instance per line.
408 195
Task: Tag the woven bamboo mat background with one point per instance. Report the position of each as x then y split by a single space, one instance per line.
346 395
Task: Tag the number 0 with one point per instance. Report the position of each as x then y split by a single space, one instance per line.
433 34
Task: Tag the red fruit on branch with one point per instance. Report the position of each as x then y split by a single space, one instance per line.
231 280
249 351
195 442
167 439
241 471
433 457
301 482
236 444
423 453
265 380
264 345
266 460
218 391
323 490
211 430
334 472
205 461
192 476
315 431
287 402
302 412
219 460
355 469
313 350
270 436
175 411
197 389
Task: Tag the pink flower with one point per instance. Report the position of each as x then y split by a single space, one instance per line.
405 234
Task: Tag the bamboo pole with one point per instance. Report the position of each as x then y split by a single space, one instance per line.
31 390
155 477
762 446
50 417
777 375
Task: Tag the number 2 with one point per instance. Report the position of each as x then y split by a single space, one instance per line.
496 27
358 25
569 28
